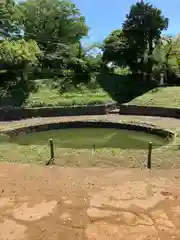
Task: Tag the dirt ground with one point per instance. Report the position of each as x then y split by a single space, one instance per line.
53 203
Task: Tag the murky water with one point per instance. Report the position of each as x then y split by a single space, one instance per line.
86 138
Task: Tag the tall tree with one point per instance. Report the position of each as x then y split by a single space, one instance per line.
52 23
142 28
56 25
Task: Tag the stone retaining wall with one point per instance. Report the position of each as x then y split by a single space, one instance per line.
95 124
149 111
10 114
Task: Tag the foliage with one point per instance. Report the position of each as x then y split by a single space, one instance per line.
42 39
122 71
79 68
116 49
132 49
18 53
16 57
133 45
142 28
57 27
9 25
83 66
123 88
52 22
166 56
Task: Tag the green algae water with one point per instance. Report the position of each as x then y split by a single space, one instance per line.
86 138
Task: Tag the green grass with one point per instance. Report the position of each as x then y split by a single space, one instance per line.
160 97
48 96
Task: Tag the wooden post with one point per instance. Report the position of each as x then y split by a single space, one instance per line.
51 160
149 155
51 148
94 148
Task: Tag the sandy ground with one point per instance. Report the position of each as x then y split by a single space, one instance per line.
52 203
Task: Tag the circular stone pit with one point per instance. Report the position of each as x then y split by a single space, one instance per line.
107 157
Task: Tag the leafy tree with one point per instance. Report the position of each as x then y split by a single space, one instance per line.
118 51
18 53
52 22
133 45
16 59
9 26
81 66
142 29
57 27
92 55
166 56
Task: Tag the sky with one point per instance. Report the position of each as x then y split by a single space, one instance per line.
103 16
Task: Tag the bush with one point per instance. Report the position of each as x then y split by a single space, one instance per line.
123 89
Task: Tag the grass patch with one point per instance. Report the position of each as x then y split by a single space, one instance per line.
159 97
162 157
48 96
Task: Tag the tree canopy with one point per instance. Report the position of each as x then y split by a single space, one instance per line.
52 22
43 39
9 19
18 53
133 45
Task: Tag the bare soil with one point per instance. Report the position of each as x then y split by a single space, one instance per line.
53 203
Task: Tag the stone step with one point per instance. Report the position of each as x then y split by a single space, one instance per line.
114 111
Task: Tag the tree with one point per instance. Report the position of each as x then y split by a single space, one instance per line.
16 59
18 53
52 22
81 67
9 26
118 51
92 56
166 56
57 26
133 45
142 29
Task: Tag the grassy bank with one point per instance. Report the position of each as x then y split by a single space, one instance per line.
159 97
48 96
